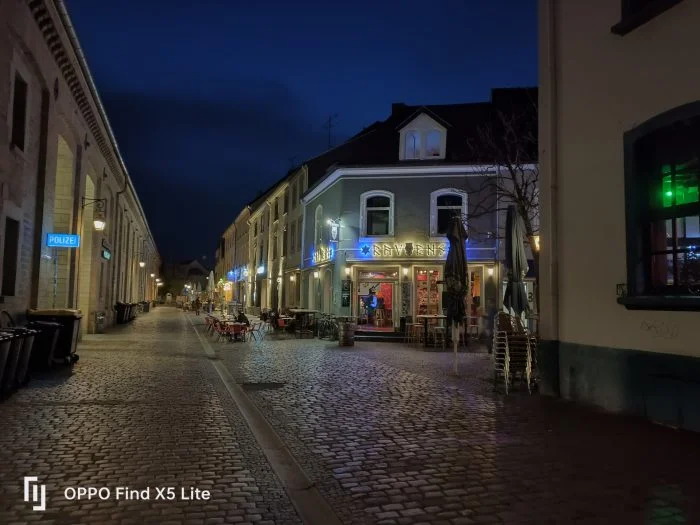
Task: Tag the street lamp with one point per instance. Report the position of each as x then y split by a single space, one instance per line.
153 275
142 264
98 220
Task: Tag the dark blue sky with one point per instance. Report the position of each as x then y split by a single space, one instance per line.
210 99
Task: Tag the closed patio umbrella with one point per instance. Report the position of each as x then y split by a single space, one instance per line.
515 297
456 280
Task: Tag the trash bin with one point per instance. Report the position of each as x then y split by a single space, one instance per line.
6 343
146 306
121 312
70 330
25 356
346 331
44 344
10 370
100 322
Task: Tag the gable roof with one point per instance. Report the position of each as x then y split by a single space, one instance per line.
378 144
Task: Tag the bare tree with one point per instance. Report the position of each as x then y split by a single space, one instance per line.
507 151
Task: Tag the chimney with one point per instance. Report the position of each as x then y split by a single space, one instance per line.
396 107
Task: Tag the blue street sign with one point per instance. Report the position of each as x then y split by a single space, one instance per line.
62 240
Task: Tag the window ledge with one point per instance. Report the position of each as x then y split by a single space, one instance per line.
687 303
631 22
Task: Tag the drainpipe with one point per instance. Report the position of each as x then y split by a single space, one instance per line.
549 315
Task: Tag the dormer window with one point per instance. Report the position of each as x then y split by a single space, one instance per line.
412 141
422 138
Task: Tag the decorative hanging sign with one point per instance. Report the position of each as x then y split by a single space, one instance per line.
322 254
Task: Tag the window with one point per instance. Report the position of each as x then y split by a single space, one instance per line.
275 243
433 144
293 238
412 145
19 112
9 259
255 229
287 207
277 209
294 196
318 226
662 174
377 213
300 226
261 259
284 242
444 204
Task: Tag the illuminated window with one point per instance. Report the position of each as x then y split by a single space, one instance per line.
663 208
445 204
377 213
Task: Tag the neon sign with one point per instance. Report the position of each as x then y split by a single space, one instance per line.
62 240
388 250
322 254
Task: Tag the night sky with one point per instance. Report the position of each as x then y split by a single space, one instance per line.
209 100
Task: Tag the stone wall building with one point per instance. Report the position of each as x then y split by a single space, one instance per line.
60 170
620 258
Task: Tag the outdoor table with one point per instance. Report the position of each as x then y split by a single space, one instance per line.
303 316
241 329
425 318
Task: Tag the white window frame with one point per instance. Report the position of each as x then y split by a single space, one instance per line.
363 212
434 207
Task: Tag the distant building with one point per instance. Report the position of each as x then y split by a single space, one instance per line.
620 157
61 173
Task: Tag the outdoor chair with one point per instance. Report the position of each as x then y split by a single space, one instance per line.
514 351
257 331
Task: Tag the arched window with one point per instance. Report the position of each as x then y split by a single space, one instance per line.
377 213
412 145
318 226
444 204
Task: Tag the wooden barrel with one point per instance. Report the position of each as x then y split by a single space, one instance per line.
346 334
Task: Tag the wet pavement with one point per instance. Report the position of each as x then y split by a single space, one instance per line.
387 435
391 437
142 408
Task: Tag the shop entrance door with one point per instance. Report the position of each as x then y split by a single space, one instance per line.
376 311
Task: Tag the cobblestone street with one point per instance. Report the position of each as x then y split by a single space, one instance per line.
144 407
384 432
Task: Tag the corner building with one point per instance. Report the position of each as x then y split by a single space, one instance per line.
377 211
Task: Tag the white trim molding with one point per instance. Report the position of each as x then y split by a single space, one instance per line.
363 212
405 172
434 208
